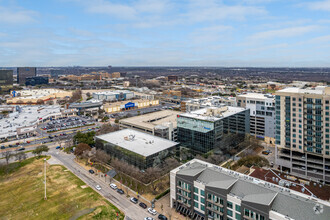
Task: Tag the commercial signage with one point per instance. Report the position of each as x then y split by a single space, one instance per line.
130 105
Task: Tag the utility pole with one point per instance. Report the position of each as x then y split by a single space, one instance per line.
45 179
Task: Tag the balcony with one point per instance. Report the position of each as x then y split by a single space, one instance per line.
184 189
214 210
186 197
215 203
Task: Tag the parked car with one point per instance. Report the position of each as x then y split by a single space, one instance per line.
265 152
152 211
22 148
143 205
28 142
148 218
113 186
134 200
162 217
91 171
17 143
120 191
98 187
58 147
3 147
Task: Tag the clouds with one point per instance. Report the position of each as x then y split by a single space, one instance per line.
319 5
16 16
164 32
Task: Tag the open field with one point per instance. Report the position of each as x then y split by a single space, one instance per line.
22 195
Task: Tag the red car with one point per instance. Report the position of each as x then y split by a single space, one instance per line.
28 142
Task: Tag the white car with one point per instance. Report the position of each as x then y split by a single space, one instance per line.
113 186
148 218
98 187
152 211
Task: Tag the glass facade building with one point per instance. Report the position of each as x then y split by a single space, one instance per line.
36 80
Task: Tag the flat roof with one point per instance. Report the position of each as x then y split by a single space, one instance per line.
153 119
317 90
201 113
115 104
257 96
137 142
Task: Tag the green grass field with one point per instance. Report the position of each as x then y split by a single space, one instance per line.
22 194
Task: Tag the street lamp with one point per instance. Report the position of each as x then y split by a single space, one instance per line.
45 179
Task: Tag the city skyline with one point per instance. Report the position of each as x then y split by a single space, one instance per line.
270 33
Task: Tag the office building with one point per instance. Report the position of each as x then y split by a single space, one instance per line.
161 123
115 95
202 130
6 80
24 72
136 148
200 190
303 132
212 101
172 78
36 80
262 114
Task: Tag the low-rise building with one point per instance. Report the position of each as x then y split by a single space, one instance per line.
24 120
161 123
113 95
202 130
136 148
201 190
36 80
124 105
262 114
34 95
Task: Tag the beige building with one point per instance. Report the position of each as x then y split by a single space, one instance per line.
127 105
303 132
161 123
35 95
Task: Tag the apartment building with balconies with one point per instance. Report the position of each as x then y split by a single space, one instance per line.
303 132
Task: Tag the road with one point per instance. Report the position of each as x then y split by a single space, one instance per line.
132 211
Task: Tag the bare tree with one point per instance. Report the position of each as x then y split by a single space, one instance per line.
20 156
107 128
7 155
40 102
101 156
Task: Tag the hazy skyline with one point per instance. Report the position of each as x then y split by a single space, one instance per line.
264 33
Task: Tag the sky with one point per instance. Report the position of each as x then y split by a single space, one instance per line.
223 33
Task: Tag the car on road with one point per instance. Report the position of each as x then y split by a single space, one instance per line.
162 217
98 187
58 147
134 200
3 147
22 148
120 191
152 211
148 218
113 186
143 205
266 152
91 171
28 142
17 143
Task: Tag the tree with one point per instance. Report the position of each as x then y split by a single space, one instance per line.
76 96
40 102
20 156
86 138
38 151
81 148
101 156
151 174
51 102
88 94
7 155
107 128
29 103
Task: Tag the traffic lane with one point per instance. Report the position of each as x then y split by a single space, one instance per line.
134 211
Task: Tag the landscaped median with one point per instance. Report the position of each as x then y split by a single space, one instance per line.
22 194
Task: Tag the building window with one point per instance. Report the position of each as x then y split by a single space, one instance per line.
238 208
196 205
202 200
202 192
196 190
229 212
237 216
202 208
230 205
195 197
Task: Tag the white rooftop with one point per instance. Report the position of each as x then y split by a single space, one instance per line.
257 96
111 92
320 90
138 142
202 113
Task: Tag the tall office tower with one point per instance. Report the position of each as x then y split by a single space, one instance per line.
262 114
24 72
302 132
6 77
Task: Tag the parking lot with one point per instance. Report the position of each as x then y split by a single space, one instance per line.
66 123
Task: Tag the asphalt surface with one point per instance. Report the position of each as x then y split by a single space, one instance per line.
131 210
